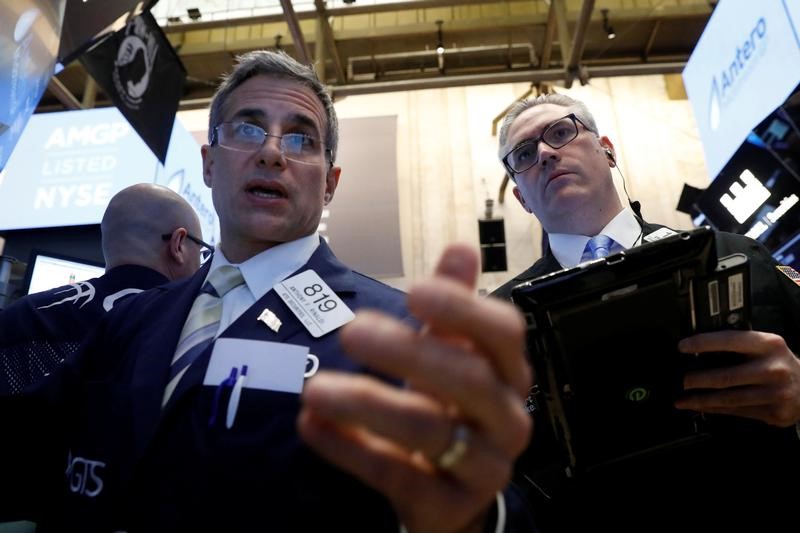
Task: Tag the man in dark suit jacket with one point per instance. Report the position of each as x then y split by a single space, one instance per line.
561 168
183 412
39 331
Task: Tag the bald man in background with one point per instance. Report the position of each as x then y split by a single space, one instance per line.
150 236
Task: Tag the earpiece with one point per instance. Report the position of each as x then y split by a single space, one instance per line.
610 156
327 197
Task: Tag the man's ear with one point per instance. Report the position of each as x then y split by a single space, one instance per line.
331 182
208 162
176 246
608 148
518 196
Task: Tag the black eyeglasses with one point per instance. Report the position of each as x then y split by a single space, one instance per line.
557 135
206 250
247 137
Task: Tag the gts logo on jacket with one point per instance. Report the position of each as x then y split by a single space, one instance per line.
84 475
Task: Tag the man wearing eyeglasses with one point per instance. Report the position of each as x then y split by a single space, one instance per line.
39 331
561 169
184 412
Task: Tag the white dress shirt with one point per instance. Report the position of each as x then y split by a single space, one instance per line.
624 228
261 272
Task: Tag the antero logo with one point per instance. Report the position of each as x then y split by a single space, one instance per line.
180 185
724 85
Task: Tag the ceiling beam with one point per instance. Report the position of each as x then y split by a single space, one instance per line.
528 75
297 33
650 40
634 14
360 9
89 93
330 42
439 82
549 35
578 42
60 91
563 31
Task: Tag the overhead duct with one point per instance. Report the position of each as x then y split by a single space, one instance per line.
465 60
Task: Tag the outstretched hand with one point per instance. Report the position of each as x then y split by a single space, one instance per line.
441 447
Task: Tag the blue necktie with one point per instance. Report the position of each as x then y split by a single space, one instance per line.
202 323
599 246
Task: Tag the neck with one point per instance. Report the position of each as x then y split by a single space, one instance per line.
590 224
240 254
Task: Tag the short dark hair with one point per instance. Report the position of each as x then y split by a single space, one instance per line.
278 65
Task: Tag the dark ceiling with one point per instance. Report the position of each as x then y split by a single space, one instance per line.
392 47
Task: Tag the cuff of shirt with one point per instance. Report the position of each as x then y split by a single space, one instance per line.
500 516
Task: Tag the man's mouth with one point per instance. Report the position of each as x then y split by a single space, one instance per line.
266 192
556 174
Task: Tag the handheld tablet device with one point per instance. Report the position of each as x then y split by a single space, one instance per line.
603 339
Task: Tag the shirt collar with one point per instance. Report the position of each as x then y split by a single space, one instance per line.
624 228
262 271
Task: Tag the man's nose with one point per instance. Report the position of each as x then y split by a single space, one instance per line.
271 152
547 154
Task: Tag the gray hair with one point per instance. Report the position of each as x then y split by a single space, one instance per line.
278 65
576 106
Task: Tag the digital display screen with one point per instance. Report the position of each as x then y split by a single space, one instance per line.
48 271
738 72
29 37
789 253
757 193
67 166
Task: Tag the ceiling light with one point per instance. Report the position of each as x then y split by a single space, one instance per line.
606 26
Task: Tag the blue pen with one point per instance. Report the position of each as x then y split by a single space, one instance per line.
233 403
227 382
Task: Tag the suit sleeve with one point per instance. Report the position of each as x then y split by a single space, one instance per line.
775 296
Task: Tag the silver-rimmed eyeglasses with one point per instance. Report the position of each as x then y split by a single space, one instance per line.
557 135
249 137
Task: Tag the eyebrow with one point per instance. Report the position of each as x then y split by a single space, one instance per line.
540 132
249 112
298 119
527 140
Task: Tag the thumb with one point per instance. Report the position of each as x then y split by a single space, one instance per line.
459 262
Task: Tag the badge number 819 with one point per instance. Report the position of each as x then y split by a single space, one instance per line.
326 303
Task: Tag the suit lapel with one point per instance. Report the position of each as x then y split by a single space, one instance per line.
158 342
338 277
544 265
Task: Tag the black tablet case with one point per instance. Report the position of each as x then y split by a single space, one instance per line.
603 339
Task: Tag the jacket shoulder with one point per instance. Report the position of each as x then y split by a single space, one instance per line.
539 268
375 294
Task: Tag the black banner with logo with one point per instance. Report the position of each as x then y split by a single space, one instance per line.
138 68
